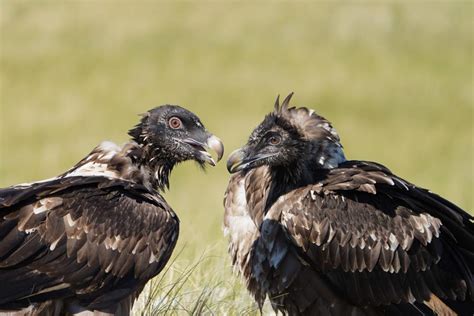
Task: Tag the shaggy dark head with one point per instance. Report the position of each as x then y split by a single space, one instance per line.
292 138
170 134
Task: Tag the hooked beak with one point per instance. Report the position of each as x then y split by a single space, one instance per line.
212 142
238 160
235 162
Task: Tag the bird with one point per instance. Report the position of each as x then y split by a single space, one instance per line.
87 241
318 234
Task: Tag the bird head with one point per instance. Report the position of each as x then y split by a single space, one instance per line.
288 137
174 134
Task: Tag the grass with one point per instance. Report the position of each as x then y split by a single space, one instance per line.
395 79
179 290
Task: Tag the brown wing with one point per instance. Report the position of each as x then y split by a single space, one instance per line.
91 238
372 238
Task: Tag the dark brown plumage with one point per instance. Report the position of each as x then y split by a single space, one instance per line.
320 235
88 240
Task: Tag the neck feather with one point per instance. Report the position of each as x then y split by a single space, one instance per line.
155 163
131 162
319 159
326 155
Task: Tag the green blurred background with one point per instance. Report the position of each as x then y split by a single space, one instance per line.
396 79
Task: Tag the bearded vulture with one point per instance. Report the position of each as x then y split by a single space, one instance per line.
87 241
321 235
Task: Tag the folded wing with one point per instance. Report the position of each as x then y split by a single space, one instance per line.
90 237
377 239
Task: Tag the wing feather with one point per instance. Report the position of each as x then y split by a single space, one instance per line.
380 239
90 234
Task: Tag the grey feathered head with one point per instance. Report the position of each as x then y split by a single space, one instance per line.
289 136
310 125
176 134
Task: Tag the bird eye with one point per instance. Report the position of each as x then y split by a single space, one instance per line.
175 122
274 140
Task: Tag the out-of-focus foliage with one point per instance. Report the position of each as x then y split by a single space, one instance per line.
396 79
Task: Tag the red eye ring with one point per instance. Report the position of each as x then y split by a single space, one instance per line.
174 122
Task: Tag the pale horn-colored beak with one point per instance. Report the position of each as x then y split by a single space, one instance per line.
214 143
235 162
